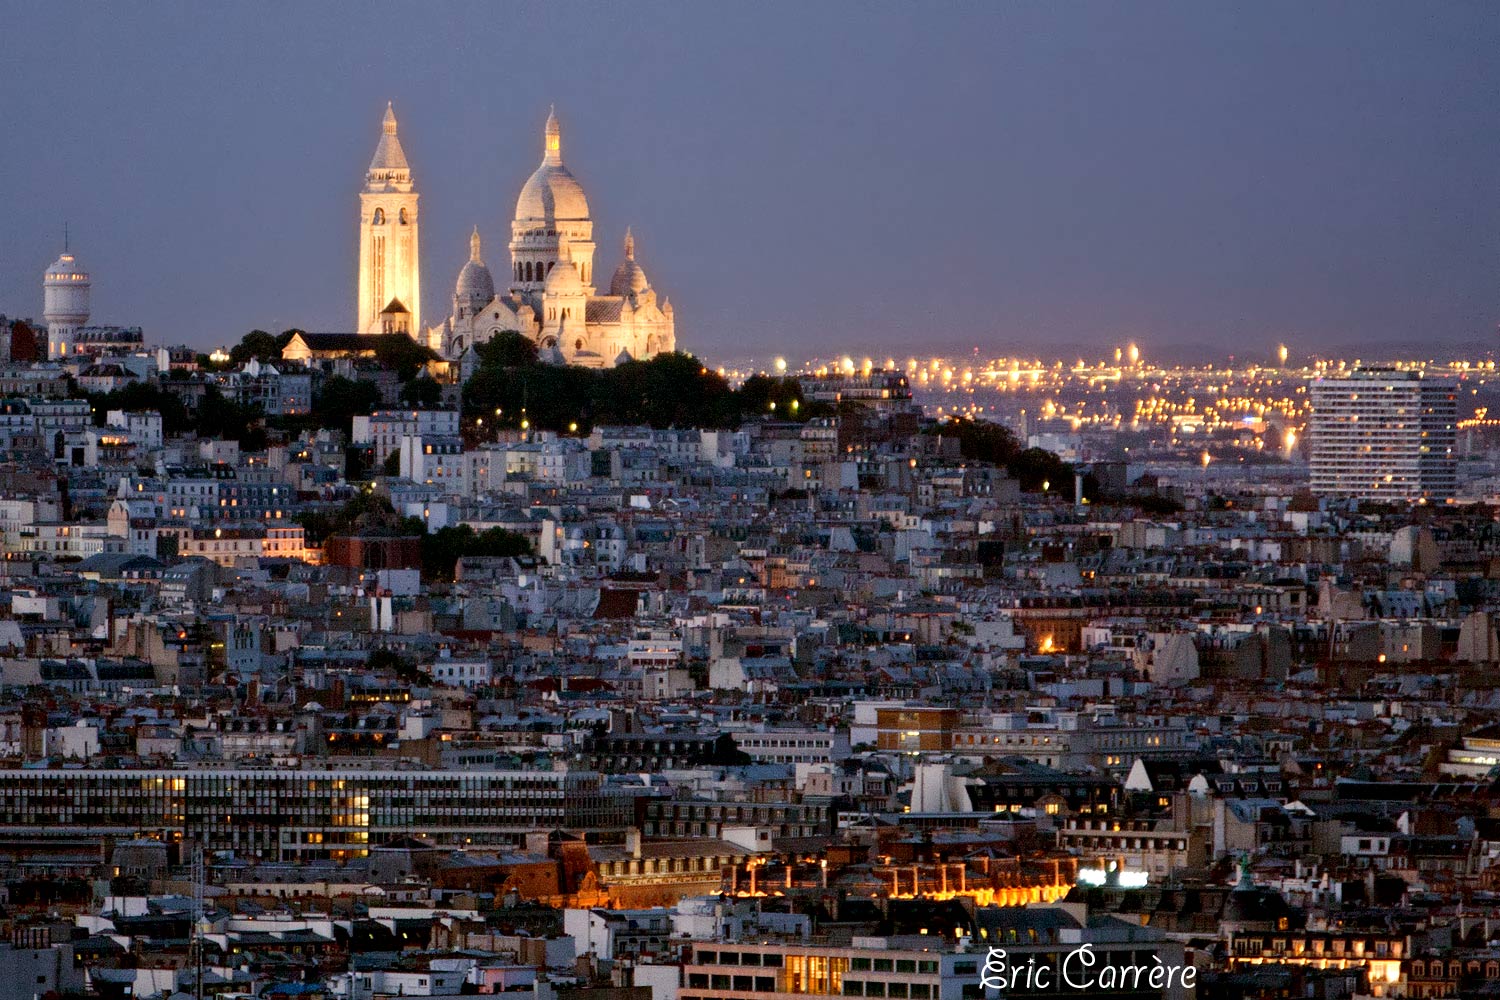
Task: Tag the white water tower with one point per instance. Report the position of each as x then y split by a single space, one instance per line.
65 303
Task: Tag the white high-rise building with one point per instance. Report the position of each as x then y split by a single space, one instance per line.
390 289
65 303
1385 434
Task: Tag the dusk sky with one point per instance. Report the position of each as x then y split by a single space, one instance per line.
801 178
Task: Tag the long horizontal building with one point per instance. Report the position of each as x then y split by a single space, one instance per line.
287 815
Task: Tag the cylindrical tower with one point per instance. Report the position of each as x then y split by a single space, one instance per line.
65 303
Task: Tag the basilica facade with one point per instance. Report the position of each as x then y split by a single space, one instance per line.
548 292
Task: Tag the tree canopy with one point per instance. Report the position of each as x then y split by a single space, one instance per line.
982 441
669 390
422 392
214 416
258 345
401 354
442 548
340 399
365 507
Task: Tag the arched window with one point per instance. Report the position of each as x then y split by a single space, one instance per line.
379 219
528 270
402 217
578 344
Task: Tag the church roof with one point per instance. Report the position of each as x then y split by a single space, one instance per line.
603 309
334 341
394 307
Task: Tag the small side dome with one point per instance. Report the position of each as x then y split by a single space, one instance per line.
630 277
563 278
623 358
474 280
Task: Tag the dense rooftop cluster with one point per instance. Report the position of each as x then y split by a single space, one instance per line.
331 670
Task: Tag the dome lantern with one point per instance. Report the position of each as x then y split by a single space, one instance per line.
552 139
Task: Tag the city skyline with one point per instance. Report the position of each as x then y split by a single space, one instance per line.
1055 551
1172 175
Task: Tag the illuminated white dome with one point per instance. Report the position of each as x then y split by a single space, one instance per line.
475 281
630 277
563 278
552 194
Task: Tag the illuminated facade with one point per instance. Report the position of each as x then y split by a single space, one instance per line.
1378 955
390 291
987 881
873 967
551 296
305 815
1158 846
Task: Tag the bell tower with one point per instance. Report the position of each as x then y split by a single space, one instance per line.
389 273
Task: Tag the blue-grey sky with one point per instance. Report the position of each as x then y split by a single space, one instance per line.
801 177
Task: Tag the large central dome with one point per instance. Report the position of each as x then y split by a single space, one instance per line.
552 194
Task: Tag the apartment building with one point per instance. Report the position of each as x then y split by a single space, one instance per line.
1385 434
